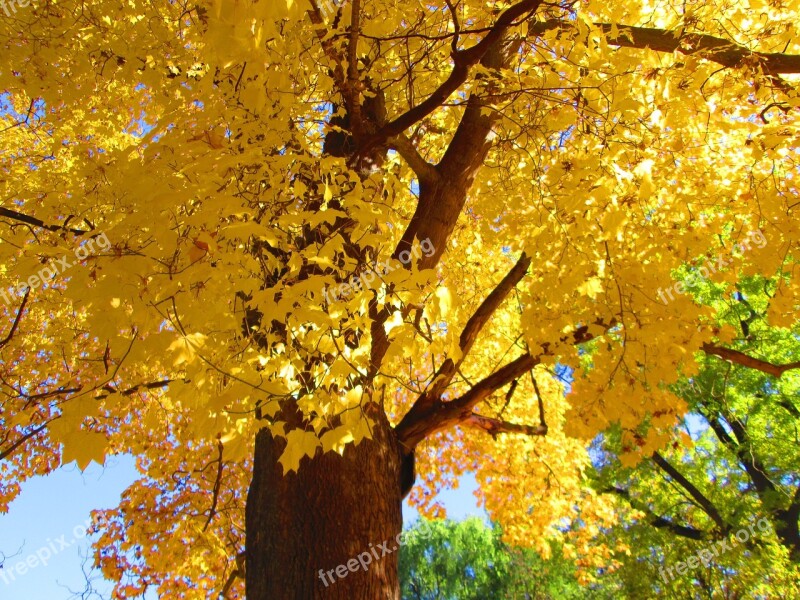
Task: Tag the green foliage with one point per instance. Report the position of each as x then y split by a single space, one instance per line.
467 560
734 460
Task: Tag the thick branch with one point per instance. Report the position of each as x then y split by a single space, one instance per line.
442 197
425 171
494 382
785 521
475 324
441 202
352 92
721 434
50 394
463 61
130 391
497 426
704 503
419 424
217 485
740 358
429 399
316 17
794 507
422 421
739 448
539 401
657 521
786 526
237 572
718 50
747 456
790 408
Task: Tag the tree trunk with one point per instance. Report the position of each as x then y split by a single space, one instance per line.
304 528
786 527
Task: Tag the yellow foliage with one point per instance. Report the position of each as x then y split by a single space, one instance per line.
193 136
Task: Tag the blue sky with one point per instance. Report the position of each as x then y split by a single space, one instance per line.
48 516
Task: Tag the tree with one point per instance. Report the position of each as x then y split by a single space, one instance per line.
308 245
446 560
727 488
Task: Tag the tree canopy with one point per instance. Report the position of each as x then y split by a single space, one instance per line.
469 228
732 463
467 560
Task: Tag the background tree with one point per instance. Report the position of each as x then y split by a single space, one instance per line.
532 172
732 462
466 560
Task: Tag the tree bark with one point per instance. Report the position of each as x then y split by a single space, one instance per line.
335 509
788 530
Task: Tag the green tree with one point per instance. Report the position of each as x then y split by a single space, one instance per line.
467 560
733 463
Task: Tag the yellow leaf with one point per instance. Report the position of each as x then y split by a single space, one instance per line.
299 443
593 287
84 447
336 439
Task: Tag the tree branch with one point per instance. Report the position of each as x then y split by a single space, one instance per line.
740 358
657 521
316 17
217 485
8 452
790 408
132 390
23 218
718 50
442 198
238 572
17 319
50 394
497 426
463 61
353 83
441 203
419 424
795 505
784 520
539 401
746 454
474 326
425 171
720 432
704 503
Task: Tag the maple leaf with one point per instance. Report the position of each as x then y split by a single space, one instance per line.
384 242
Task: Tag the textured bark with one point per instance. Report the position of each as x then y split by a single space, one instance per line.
332 510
